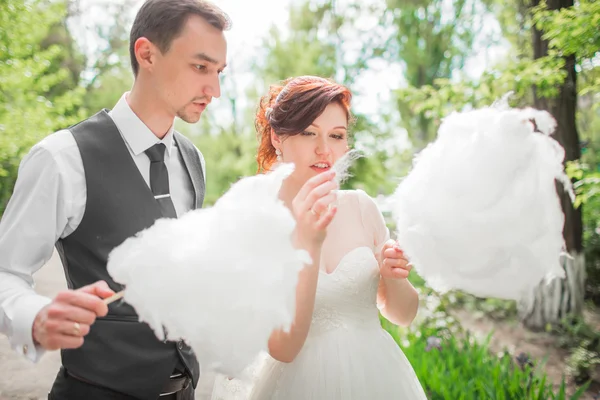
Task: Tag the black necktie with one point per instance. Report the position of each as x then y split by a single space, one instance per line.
159 180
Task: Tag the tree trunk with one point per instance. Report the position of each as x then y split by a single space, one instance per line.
562 297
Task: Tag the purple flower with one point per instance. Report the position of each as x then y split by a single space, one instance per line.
433 342
524 360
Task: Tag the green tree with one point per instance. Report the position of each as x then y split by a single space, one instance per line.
547 77
562 106
432 39
109 69
34 101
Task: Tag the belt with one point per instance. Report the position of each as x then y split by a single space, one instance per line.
176 383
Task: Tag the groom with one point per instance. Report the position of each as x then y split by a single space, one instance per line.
87 188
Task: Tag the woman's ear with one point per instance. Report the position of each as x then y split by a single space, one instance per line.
275 140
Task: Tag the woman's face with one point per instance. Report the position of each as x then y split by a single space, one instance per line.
317 148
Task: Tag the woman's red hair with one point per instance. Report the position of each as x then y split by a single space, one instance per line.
290 108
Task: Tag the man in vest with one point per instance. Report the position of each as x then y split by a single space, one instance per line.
87 188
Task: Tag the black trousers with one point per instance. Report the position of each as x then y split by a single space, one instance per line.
66 387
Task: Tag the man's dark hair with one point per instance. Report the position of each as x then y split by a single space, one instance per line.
161 22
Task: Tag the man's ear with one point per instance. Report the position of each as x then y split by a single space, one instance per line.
145 53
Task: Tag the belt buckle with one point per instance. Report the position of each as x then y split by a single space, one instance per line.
178 376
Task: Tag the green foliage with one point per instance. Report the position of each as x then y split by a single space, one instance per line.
587 188
571 30
497 309
432 39
229 157
30 68
451 364
519 74
109 72
105 91
583 361
513 77
583 341
515 23
574 31
304 50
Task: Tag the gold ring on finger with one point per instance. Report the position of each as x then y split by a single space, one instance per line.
313 212
76 328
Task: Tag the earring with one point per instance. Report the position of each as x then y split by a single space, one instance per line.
278 153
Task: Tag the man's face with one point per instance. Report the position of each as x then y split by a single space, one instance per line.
186 77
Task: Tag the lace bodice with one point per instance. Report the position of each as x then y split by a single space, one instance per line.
346 298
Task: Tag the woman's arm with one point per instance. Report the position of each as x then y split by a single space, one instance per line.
285 346
397 298
313 214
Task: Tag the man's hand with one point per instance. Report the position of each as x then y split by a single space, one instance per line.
63 323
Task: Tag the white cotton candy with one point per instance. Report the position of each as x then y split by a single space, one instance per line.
479 211
343 164
222 278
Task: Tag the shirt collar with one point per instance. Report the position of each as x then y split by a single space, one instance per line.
136 134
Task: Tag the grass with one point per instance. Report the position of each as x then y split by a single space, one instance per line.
452 365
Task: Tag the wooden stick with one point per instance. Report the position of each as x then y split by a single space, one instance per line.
114 297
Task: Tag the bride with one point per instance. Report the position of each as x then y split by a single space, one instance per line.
336 348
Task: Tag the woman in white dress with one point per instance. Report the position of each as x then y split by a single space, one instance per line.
336 348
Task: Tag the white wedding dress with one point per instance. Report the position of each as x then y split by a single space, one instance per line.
347 355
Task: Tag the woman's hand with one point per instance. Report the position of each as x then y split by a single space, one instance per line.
393 263
314 209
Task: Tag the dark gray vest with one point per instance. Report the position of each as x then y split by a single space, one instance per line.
119 352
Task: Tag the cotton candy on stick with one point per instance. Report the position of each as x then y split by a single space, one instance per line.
221 278
479 210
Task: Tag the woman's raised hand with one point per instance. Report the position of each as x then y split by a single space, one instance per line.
314 209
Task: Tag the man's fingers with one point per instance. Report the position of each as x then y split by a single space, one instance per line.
83 300
60 341
72 328
66 328
62 311
99 289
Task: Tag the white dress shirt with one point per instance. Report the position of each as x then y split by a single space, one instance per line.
48 203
